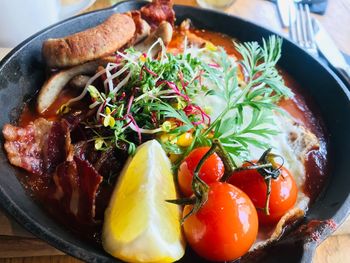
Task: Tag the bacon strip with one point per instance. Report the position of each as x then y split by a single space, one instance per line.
44 148
39 147
105 162
77 182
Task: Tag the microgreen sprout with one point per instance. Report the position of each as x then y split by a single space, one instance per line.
142 96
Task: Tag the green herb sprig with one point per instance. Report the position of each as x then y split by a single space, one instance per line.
260 92
153 96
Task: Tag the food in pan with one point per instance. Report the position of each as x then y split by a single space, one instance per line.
78 48
147 136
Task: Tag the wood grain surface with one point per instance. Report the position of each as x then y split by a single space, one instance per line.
17 245
336 20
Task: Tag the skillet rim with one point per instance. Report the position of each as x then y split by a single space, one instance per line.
40 231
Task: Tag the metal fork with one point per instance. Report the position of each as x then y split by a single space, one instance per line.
301 30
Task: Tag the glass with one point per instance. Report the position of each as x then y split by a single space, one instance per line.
215 4
21 18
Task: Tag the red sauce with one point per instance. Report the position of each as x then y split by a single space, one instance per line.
219 39
29 113
40 187
315 163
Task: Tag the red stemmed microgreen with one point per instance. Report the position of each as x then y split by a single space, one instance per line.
170 89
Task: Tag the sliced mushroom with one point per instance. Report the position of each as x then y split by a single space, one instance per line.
54 85
78 82
164 32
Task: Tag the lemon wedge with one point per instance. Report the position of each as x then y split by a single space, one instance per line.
139 225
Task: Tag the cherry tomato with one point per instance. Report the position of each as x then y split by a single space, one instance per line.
211 171
225 227
283 196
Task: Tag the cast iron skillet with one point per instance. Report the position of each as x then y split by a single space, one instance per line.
22 74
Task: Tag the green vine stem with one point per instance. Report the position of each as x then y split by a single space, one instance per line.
254 167
229 164
183 201
266 166
196 181
268 194
199 188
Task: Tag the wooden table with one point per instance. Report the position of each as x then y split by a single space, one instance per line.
17 245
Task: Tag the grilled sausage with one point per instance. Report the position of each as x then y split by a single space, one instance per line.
90 44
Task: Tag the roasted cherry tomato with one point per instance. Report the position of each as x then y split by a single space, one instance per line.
225 227
211 171
283 195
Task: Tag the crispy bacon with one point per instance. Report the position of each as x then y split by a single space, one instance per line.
39 147
44 148
105 162
157 12
136 16
143 29
108 164
74 118
56 149
77 182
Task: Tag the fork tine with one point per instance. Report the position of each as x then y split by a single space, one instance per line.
298 22
310 29
301 31
303 21
292 22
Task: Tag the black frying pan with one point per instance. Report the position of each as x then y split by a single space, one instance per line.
22 74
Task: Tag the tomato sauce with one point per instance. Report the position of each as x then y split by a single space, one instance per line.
29 113
219 39
303 110
298 107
